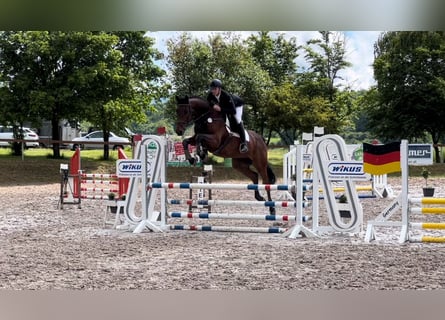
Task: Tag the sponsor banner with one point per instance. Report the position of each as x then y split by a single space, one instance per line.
354 152
307 158
420 154
128 168
351 170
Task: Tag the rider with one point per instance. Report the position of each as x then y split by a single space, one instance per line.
230 105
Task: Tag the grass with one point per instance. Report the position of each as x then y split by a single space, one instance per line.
37 167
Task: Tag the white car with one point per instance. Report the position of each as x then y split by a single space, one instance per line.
32 138
97 137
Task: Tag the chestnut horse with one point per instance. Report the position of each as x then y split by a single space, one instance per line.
212 135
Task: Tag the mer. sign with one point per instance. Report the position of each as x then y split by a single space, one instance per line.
420 154
128 168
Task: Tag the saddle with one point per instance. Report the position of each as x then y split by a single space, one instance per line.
236 134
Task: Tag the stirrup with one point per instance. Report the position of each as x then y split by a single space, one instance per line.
243 147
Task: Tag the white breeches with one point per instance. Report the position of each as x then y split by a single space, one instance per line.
239 114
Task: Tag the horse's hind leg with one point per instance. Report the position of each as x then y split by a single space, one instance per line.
243 166
268 177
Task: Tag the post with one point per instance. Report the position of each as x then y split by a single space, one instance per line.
404 236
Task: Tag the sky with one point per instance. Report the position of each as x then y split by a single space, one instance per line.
359 51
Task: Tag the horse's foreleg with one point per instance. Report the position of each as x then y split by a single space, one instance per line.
200 149
185 145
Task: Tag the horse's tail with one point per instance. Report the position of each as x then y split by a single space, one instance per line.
271 175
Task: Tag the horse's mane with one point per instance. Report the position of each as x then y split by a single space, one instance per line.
198 97
185 99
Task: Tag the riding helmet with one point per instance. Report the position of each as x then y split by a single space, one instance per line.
216 83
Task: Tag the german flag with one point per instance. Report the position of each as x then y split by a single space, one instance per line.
381 159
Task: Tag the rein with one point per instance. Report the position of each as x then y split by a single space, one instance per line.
200 118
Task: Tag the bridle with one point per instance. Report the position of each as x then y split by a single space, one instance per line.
189 112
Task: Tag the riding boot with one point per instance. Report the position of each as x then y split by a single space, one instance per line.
242 134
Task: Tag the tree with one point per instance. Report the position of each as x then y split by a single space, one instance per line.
409 99
276 56
291 112
189 63
327 57
261 68
193 63
15 83
130 87
105 78
313 97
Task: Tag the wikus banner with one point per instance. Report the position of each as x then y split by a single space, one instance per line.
128 168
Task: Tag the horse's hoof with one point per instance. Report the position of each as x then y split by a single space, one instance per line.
192 161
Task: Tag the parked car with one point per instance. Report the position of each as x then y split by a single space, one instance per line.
32 138
97 136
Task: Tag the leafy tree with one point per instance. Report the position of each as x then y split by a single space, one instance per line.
189 62
15 83
409 99
312 97
291 112
276 56
262 70
242 75
326 57
105 78
193 63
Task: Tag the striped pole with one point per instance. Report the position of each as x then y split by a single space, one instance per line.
429 210
99 181
249 203
427 200
360 196
429 239
428 225
228 229
99 175
228 186
94 197
99 190
358 188
234 216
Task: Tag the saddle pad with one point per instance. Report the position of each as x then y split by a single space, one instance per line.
233 133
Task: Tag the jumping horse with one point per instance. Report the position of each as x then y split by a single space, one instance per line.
212 135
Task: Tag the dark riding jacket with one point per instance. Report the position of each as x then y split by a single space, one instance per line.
228 102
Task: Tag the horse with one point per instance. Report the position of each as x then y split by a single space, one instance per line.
212 135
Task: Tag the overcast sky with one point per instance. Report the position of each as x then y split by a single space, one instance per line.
359 51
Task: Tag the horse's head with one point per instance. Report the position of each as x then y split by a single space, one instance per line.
189 110
183 115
